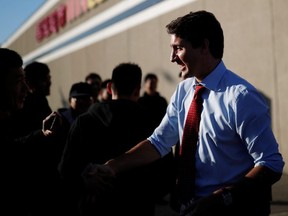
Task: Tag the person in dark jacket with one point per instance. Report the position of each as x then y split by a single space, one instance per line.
152 101
80 99
36 106
43 159
94 137
155 105
95 80
14 143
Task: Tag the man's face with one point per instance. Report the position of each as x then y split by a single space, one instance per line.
41 86
81 104
17 88
44 85
151 86
188 58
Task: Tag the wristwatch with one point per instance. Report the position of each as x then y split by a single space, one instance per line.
227 197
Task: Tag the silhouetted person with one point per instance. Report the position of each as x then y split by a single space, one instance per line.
155 105
36 106
80 99
16 143
43 159
95 80
104 94
152 101
107 130
235 158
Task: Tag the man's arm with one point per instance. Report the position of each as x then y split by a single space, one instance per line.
256 180
255 184
99 178
141 154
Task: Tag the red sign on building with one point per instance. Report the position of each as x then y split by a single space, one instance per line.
64 13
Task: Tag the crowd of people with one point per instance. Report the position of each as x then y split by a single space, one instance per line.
113 151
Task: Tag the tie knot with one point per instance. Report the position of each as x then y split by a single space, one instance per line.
198 90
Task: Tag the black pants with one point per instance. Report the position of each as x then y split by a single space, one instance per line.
256 206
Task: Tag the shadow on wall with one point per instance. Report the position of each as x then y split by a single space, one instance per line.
170 79
64 99
268 100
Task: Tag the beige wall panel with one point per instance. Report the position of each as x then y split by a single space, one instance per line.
79 62
248 38
145 49
116 51
18 46
62 79
281 72
30 40
144 46
96 60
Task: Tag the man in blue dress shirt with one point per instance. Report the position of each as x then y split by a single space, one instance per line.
237 157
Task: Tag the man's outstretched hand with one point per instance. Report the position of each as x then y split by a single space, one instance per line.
98 179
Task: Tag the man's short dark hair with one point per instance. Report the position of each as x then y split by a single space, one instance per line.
93 76
81 89
36 72
126 77
197 26
150 76
9 59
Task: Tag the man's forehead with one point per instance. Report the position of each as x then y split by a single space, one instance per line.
175 40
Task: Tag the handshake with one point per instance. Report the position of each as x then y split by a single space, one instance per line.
98 179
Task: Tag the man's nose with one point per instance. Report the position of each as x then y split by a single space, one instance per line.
172 56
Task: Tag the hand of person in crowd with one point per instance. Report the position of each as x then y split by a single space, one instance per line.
98 178
51 124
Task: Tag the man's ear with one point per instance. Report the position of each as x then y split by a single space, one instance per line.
137 91
109 88
205 46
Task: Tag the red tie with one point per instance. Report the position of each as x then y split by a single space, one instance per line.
188 148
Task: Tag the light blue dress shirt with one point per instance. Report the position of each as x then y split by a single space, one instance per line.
235 129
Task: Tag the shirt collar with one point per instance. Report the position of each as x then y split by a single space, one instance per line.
211 81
